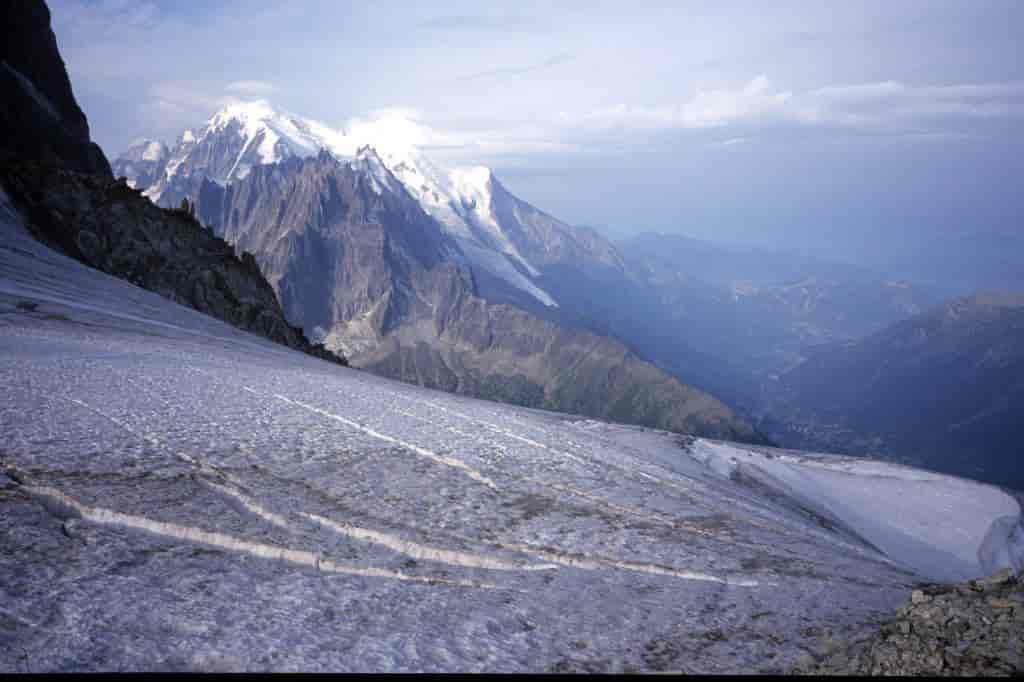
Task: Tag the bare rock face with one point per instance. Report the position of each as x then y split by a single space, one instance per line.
975 628
111 227
358 263
546 241
333 247
39 118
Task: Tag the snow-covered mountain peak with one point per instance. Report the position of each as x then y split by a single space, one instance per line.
368 162
154 151
142 162
144 149
256 110
269 135
497 232
367 151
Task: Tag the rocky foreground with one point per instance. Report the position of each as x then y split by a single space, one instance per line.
973 628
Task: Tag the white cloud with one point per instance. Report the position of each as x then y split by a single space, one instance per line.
887 107
404 127
728 116
757 100
172 106
251 88
894 101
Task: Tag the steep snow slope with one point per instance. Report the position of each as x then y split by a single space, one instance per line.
176 494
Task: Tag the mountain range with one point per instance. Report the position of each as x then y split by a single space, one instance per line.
430 275
944 387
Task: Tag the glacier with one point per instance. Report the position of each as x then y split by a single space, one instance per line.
178 494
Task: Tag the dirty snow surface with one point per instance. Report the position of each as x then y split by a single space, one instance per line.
180 495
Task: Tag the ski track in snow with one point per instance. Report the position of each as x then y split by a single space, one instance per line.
596 563
498 429
308 559
423 552
454 558
423 452
597 501
155 442
568 489
685 490
390 541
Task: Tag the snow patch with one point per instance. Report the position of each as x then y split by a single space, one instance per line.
943 527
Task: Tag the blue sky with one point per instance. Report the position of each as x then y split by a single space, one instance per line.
843 129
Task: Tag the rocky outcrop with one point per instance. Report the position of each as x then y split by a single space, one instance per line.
39 118
975 628
111 227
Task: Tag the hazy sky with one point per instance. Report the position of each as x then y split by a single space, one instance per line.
840 128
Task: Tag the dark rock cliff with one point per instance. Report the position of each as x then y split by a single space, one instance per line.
39 117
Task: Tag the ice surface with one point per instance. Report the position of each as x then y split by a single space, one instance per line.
933 523
177 494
